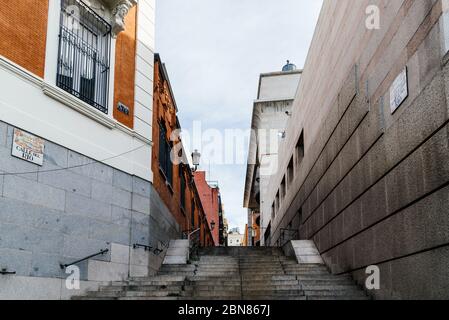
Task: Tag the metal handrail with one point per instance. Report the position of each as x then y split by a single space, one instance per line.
193 232
5 272
138 245
156 251
102 252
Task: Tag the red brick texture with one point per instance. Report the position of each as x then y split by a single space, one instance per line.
23 33
125 66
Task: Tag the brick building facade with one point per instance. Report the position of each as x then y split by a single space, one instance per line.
173 180
79 76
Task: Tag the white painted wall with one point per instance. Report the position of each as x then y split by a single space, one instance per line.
143 105
279 86
235 240
38 106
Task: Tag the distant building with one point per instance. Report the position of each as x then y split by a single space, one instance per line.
252 234
209 193
271 112
235 238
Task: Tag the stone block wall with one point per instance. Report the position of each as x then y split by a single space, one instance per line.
51 215
373 186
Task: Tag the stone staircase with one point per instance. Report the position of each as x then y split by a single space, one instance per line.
235 274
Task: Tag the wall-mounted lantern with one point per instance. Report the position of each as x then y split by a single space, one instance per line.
196 159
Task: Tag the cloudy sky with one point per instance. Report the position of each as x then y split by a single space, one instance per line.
214 51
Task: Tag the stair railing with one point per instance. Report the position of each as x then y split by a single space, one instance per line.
5 271
194 240
102 252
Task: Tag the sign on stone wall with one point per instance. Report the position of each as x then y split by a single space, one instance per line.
28 147
399 90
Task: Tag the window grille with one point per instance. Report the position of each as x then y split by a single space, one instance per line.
84 54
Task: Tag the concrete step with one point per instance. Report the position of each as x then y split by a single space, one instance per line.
222 266
269 283
285 293
147 283
223 271
215 283
309 277
267 278
222 288
235 274
176 273
338 298
168 277
217 278
328 287
141 288
164 293
152 298
304 267
270 298
91 298
262 273
216 293
335 293
272 287
260 268
321 282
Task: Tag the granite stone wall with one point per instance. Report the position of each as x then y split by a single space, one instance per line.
373 187
51 215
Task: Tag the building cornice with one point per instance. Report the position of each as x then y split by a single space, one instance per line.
69 100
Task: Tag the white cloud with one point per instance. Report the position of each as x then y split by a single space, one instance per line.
215 50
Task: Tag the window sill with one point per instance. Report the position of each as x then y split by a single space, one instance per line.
89 111
77 104
69 100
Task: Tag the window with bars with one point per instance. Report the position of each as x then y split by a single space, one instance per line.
165 162
84 54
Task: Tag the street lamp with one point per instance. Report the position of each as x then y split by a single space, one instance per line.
212 225
196 159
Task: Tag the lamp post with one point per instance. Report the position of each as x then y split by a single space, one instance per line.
196 159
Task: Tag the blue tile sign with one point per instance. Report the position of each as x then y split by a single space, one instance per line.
28 147
399 90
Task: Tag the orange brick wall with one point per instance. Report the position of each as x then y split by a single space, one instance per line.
164 110
125 65
23 33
